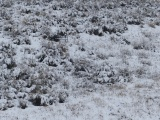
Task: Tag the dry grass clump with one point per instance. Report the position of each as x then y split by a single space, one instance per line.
140 72
152 24
143 55
143 44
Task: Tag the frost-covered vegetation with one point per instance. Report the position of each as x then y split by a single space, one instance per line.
54 50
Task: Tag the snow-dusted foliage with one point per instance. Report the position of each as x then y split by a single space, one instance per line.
51 50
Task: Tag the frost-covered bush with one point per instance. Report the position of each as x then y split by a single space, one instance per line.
31 79
97 73
23 104
125 75
141 71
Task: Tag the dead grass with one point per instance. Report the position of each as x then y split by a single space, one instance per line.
143 86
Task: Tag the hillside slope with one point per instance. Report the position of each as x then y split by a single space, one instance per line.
80 60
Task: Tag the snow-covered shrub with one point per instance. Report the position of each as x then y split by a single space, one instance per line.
97 32
6 3
3 105
143 44
45 99
125 54
62 97
47 1
23 104
36 101
10 62
110 5
124 75
140 72
86 85
45 31
146 62
26 21
53 35
8 51
15 32
157 22
107 29
102 55
143 55
94 19
103 73
81 67
7 27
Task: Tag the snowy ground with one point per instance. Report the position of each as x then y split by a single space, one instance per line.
104 64
117 102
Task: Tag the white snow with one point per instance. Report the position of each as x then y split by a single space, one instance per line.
96 73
